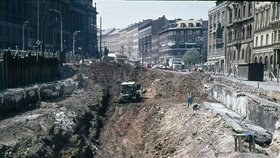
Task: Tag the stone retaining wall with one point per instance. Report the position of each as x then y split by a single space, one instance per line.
263 112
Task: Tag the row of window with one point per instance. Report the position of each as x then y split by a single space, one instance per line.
246 32
274 39
182 32
246 9
213 20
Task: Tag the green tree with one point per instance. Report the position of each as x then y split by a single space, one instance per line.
192 56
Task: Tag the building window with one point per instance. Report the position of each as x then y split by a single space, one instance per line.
257 41
266 39
190 25
261 40
183 25
189 32
210 48
250 9
244 9
230 16
242 55
239 13
271 38
218 17
223 15
214 19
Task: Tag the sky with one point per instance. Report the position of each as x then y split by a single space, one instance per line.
121 13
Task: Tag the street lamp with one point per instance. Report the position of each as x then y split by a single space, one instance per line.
61 36
23 26
74 34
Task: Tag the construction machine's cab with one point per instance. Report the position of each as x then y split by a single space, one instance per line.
130 91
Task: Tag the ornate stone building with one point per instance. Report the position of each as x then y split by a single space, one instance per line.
43 25
263 36
275 24
217 37
239 41
182 35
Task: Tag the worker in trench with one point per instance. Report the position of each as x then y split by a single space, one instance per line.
189 99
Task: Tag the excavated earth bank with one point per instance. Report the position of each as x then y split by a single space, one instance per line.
89 123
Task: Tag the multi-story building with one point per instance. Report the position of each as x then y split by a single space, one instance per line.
239 39
34 18
113 42
275 24
104 39
145 42
217 37
263 36
180 36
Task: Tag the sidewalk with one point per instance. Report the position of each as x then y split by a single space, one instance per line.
266 84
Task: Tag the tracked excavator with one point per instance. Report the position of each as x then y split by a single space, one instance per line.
130 92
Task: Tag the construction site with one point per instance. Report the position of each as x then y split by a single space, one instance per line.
80 115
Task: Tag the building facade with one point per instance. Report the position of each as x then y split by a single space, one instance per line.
34 19
180 36
239 41
217 38
275 24
263 36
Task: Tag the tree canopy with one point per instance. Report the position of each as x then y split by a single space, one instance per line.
192 56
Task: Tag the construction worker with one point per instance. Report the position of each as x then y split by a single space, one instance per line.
189 99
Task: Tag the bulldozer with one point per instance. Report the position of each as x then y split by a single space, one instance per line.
130 92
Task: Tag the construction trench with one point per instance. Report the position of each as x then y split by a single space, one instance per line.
79 116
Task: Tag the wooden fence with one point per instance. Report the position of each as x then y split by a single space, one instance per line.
21 68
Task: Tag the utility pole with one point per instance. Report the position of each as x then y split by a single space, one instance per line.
100 53
23 36
38 20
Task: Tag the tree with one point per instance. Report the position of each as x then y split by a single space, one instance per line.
192 56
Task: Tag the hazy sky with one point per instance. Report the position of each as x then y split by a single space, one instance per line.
121 13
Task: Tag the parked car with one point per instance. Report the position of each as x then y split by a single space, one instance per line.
161 67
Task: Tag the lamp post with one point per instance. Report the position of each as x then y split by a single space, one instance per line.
23 38
74 34
61 36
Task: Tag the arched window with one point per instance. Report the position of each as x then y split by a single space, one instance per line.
249 55
266 63
183 25
243 53
261 60
250 9
256 60
244 9
234 55
191 25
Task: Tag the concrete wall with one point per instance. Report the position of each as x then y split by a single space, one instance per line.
22 99
263 112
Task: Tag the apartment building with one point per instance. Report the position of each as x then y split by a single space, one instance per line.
240 22
217 38
263 36
178 37
34 18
